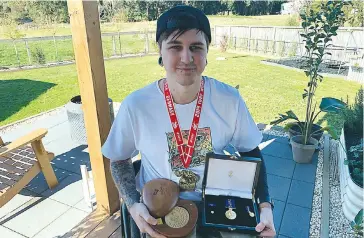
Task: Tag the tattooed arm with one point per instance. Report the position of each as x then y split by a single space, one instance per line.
124 177
123 174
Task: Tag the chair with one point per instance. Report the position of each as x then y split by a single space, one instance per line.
20 163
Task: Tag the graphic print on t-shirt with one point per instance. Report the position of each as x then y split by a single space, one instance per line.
203 145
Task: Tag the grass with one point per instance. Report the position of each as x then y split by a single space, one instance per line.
267 90
64 29
130 43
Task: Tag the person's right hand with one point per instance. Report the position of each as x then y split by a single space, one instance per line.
143 219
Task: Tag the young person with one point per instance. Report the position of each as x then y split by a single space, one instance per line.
182 110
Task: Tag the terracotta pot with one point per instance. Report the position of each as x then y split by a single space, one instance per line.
303 153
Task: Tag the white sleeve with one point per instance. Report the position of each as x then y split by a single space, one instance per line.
246 135
120 143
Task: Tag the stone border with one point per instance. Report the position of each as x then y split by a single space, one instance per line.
326 189
28 120
300 70
316 210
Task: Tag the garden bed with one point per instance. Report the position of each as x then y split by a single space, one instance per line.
326 67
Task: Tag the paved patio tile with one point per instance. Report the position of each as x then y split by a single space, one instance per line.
72 159
305 172
278 214
6 233
278 187
280 139
62 224
277 149
47 122
59 132
36 218
69 191
81 205
278 166
301 193
22 197
61 146
296 222
39 184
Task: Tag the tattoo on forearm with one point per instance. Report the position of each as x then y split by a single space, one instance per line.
124 178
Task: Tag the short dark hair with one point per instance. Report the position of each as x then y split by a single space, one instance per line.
178 33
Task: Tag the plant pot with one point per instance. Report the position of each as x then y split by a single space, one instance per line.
295 131
76 119
351 193
303 153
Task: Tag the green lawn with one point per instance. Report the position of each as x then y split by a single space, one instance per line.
130 43
268 90
64 29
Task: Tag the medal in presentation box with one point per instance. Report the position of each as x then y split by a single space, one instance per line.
229 193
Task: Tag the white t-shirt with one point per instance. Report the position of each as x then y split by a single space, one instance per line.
143 125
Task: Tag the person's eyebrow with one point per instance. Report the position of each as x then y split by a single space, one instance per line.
176 42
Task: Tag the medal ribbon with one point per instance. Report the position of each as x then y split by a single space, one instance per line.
185 152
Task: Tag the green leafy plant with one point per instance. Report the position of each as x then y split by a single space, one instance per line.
318 27
353 114
356 161
39 56
292 21
357 224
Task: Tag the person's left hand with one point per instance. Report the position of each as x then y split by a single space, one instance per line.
266 225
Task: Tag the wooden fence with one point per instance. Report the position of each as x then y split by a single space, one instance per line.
268 40
286 41
115 44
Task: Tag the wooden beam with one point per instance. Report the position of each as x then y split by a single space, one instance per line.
87 44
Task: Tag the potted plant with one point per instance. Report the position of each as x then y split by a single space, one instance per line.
318 27
351 160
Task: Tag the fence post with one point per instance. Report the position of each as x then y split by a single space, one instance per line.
250 35
146 43
235 42
119 43
113 45
274 41
55 46
230 40
28 52
215 35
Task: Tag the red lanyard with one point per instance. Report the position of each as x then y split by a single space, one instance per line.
185 152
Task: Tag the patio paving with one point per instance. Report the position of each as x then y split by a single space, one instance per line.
40 212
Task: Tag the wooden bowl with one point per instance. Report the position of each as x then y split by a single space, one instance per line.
160 196
184 231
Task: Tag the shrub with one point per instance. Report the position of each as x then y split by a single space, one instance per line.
353 114
39 56
355 161
292 21
224 43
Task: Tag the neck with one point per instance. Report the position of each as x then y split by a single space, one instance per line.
182 94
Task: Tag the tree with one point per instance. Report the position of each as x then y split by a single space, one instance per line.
354 13
48 12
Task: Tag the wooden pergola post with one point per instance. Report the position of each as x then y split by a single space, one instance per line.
87 44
